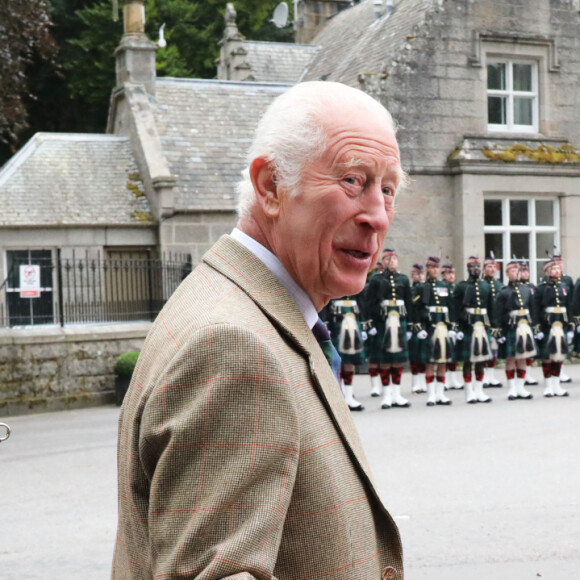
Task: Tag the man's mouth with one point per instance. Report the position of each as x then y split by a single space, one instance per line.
357 254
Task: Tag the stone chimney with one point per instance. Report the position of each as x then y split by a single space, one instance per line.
232 64
312 15
135 54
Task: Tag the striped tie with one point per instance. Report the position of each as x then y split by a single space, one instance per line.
323 337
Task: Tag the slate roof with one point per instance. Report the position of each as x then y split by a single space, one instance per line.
278 62
206 127
73 179
355 41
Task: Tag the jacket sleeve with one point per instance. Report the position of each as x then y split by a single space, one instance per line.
220 445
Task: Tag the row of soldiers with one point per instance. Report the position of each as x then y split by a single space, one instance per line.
431 323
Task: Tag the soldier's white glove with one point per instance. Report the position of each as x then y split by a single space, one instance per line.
578 329
364 335
452 335
460 335
372 331
422 335
570 336
501 339
410 334
539 335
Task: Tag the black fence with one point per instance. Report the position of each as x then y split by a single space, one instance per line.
129 286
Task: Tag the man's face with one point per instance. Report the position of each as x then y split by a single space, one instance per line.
524 274
513 274
474 269
560 262
489 270
432 271
449 276
330 233
555 271
390 262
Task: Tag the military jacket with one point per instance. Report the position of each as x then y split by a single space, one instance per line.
473 297
552 294
495 287
431 296
576 301
387 286
513 297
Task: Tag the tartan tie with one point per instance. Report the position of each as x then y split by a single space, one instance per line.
323 337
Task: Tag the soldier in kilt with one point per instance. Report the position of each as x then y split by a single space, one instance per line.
342 318
525 281
513 309
576 314
553 326
418 381
569 283
437 334
388 302
472 299
489 272
451 380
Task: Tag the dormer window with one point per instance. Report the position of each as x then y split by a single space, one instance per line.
512 96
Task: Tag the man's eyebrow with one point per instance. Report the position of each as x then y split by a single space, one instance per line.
402 177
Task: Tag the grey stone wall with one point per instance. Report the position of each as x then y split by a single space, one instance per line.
195 233
47 369
436 87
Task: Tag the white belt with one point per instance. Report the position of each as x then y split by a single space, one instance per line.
344 303
519 312
556 310
439 309
392 303
476 311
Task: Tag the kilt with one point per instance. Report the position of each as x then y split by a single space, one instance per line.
543 346
508 348
425 354
336 326
377 352
463 347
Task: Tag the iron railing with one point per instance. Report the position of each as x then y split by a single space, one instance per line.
84 290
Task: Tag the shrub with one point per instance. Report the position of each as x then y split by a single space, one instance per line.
125 364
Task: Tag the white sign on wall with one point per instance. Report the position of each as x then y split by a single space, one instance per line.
29 281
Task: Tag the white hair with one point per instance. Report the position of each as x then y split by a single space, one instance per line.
291 133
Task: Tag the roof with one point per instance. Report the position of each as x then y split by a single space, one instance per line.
206 128
73 179
355 41
278 62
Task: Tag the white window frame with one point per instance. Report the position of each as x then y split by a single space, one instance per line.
509 94
531 229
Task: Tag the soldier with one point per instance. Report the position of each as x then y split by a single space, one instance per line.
513 307
342 317
569 283
388 302
489 272
473 306
435 315
525 281
576 314
417 368
552 326
451 380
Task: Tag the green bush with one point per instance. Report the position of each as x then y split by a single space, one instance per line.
125 364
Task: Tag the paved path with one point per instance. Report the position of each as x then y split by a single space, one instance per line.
480 492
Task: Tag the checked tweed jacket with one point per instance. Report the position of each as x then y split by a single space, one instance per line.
237 454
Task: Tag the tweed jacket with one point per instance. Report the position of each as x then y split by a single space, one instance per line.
237 454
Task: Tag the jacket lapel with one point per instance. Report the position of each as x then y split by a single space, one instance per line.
249 273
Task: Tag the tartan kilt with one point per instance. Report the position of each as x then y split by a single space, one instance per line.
542 345
353 359
508 348
377 353
463 347
425 350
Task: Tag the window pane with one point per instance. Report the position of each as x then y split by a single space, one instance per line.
522 77
544 245
520 245
496 76
518 212
496 110
544 213
493 243
523 111
492 212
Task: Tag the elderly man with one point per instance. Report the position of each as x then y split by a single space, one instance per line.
238 457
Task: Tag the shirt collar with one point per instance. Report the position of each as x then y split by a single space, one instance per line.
275 266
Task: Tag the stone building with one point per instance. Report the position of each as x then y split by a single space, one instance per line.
484 93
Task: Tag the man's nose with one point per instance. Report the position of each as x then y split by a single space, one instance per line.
374 209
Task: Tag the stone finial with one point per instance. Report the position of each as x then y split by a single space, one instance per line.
133 16
230 15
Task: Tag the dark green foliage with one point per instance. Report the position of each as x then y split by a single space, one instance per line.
125 364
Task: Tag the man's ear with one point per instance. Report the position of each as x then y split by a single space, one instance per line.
263 179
